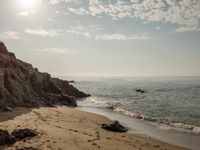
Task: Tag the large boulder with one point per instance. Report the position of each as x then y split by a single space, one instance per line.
23 85
21 134
16 135
115 127
6 138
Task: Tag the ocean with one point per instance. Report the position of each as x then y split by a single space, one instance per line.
169 103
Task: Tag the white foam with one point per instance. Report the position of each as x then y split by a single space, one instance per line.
135 115
93 102
162 123
166 125
196 130
183 126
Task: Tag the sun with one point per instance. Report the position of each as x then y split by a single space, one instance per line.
26 3
29 4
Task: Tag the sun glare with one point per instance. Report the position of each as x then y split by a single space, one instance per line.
26 3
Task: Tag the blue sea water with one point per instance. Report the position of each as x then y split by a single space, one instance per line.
171 101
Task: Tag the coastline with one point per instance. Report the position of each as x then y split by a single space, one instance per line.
68 128
149 129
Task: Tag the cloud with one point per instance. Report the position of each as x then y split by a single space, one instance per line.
49 19
29 10
53 2
119 9
13 35
86 31
63 51
95 32
185 14
185 28
79 11
43 32
121 37
27 13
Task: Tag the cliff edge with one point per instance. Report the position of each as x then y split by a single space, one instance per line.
21 85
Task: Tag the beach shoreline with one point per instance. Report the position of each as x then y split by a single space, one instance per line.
68 128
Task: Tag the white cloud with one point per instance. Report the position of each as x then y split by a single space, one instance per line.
43 32
79 11
49 19
13 35
119 9
95 32
86 31
53 2
185 28
121 37
27 13
87 34
63 51
183 13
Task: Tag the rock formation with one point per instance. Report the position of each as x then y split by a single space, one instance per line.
115 127
16 135
6 138
23 85
21 134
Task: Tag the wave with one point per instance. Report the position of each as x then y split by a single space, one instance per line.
93 102
162 123
126 112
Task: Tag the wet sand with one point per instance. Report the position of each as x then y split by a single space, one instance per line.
65 128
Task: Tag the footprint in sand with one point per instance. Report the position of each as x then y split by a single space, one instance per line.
87 134
97 137
156 146
95 144
59 127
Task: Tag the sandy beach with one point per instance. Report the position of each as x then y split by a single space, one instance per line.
65 128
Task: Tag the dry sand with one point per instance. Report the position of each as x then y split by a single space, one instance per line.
65 128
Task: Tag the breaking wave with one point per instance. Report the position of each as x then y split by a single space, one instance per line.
162 123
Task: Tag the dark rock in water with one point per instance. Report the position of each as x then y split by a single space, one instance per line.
6 138
140 91
28 148
110 107
115 126
139 117
21 85
150 119
21 134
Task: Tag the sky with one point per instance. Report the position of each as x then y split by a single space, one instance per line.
104 37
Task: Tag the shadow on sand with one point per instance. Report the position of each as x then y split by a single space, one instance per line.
9 115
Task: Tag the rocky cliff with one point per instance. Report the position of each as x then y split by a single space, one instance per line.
23 85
